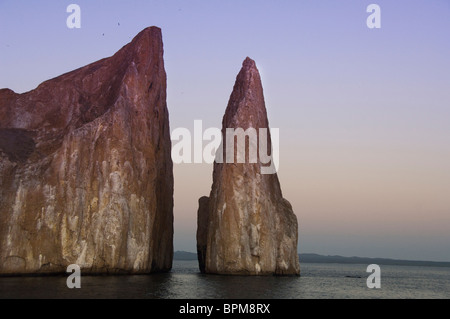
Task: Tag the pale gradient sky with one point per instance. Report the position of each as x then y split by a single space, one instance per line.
364 115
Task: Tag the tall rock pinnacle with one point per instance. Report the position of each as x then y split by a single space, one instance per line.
85 168
246 227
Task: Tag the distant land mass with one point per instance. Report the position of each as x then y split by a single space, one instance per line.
315 258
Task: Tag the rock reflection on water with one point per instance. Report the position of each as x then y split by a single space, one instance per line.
219 287
156 286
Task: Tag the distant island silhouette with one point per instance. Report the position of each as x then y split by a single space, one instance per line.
315 258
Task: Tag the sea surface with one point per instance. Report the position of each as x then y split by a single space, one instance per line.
317 281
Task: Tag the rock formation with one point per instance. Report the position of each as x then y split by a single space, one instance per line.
245 227
85 168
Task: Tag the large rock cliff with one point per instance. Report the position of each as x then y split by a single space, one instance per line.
246 227
85 168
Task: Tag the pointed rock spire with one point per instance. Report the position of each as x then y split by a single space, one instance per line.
245 226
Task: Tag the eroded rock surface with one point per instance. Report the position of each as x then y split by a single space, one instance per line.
85 168
246 227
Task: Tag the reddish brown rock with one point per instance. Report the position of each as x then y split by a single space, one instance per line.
246 227
85 168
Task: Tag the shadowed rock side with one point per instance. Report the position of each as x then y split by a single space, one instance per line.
245 227
85 168
202 231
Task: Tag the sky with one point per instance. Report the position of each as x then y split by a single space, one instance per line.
363 113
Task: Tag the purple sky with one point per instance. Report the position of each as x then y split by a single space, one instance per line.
364 114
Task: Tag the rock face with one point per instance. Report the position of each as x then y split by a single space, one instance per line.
85 168
246 227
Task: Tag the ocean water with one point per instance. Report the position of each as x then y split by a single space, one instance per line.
317 281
